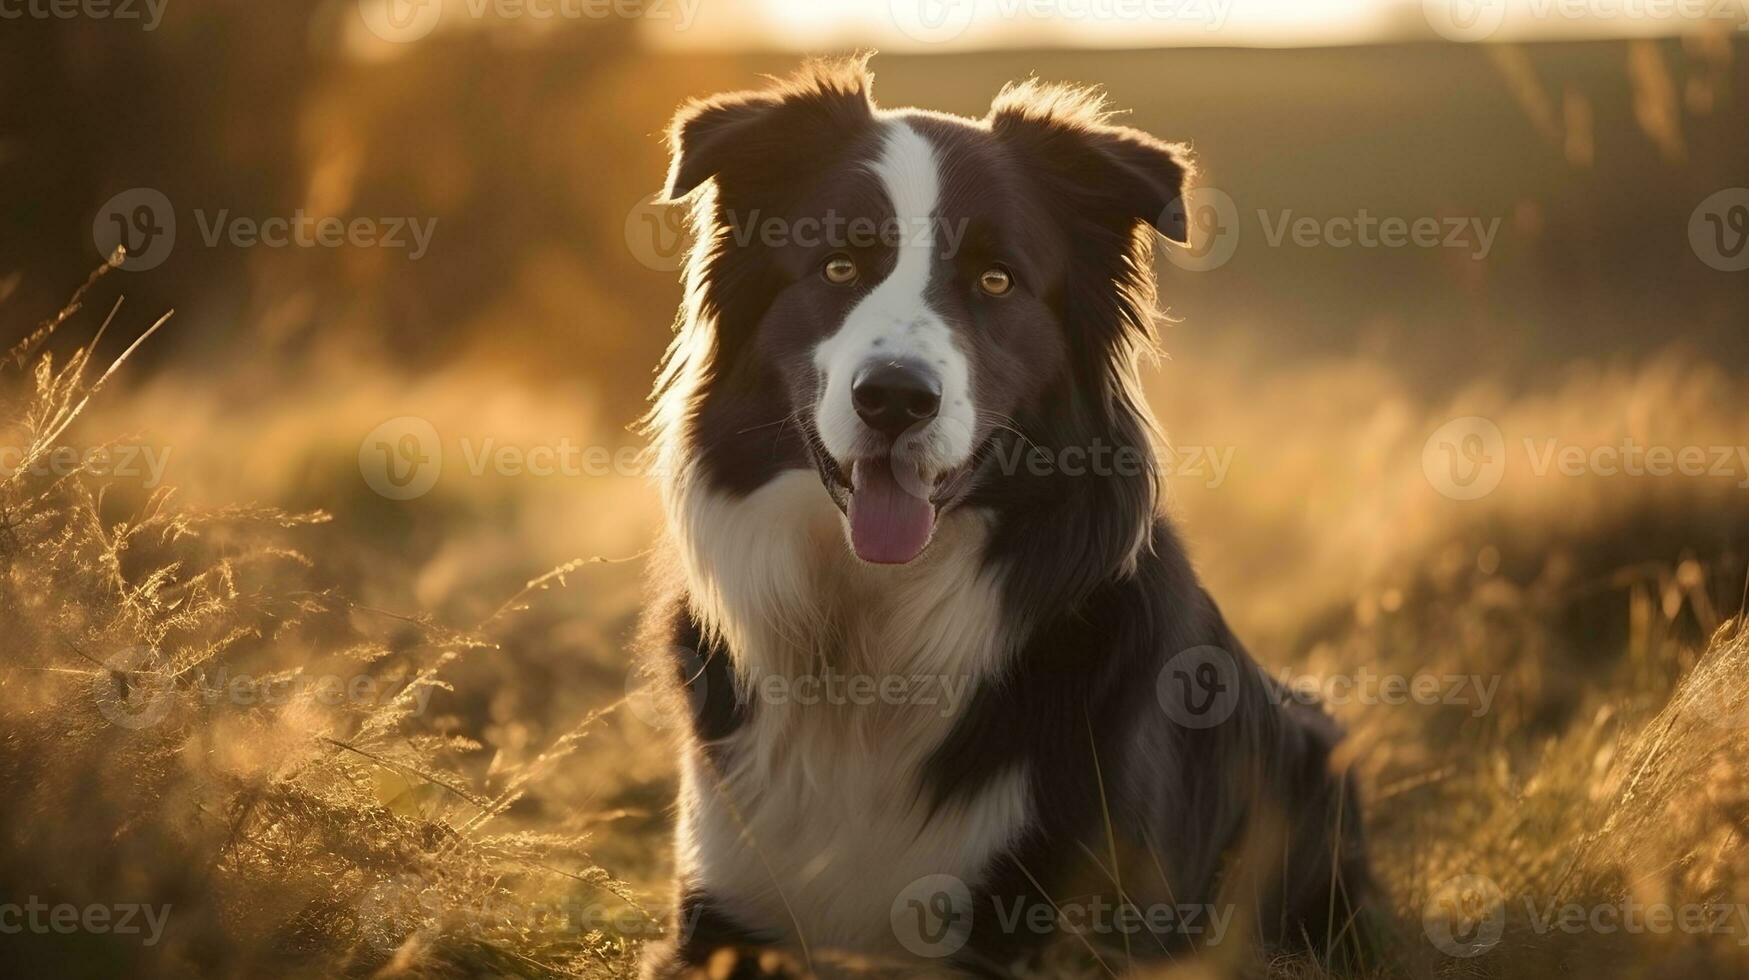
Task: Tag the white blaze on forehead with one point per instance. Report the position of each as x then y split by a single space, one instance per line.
908 174
895 323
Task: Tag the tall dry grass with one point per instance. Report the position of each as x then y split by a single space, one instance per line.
192 719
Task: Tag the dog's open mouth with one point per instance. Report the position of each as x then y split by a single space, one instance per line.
892 509
890 522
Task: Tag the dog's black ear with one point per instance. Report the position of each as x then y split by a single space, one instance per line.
748 137
704 134
1110 172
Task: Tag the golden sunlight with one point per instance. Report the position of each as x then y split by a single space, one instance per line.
957 25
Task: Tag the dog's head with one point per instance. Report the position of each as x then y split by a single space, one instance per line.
901 288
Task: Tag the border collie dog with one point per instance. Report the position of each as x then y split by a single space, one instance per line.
947 702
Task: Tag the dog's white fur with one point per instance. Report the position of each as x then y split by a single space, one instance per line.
894 322
818 814
815 823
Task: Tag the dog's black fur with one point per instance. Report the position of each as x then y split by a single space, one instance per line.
1256 811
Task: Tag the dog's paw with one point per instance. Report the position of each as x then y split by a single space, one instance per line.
743 963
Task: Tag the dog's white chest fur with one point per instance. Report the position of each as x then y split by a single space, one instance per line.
854 675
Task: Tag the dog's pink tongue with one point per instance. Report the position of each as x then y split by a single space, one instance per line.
888 526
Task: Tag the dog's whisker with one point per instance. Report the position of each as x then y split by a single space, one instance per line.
766 425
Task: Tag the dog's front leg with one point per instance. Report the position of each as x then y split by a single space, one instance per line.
706 943
670 960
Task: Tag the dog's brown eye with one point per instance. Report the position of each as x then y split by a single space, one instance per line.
995 281
839 270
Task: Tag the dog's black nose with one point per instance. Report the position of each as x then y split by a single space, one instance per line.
892 397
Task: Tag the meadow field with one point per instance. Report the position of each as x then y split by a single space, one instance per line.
319 594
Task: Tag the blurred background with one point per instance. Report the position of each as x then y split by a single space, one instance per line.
525 141
504 289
